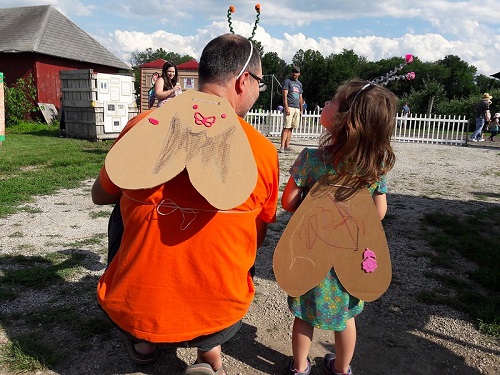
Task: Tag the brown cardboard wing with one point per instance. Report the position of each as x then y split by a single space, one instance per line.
196 131
336 225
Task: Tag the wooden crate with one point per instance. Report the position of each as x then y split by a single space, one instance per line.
90 101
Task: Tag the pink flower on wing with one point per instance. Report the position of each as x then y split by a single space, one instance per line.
409 58
369 264
368 254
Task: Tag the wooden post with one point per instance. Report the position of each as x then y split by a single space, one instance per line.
2 111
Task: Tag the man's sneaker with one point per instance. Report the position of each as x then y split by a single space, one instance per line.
328 361
481 140
289 370
473 140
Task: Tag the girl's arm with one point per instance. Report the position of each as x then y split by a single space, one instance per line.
160 94
290 200
380 201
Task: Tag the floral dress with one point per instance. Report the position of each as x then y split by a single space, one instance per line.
328 305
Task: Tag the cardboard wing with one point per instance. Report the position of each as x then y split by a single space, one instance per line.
196 131
337 225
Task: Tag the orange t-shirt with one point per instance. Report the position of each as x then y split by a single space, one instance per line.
182 267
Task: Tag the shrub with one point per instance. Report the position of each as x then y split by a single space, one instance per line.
20 101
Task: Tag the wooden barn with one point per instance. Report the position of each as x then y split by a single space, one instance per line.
188 77
40 41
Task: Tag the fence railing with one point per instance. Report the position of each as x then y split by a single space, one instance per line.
433 129
412 128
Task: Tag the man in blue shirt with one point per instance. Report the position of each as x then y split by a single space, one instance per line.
292 107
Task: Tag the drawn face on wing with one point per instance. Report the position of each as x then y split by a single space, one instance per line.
336 225
196 131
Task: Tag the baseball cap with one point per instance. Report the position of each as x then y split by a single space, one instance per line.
295 68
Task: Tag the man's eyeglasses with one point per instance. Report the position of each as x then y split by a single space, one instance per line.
294 71
262 85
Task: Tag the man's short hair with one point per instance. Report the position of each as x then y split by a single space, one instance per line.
224 57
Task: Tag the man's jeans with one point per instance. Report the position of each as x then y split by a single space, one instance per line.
479 126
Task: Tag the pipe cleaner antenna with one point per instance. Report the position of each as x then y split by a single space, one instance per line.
257 9
232 9
391 76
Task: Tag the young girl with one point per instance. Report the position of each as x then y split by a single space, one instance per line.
494 126
360 123
167 86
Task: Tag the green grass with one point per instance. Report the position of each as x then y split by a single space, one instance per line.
469 235
35 161
27 354
39 272
39 336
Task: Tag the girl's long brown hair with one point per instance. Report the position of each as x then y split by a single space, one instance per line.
167 83
359 142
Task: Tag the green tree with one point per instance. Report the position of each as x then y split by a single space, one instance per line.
20 101
138 58
423 101
340 68
312 73
486 84
274 71
259 48
459 81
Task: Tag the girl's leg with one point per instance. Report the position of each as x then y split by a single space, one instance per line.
302 335
212 357
345 341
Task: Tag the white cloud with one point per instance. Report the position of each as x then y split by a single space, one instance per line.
428 47
377 29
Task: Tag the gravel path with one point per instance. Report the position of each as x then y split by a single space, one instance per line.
396 334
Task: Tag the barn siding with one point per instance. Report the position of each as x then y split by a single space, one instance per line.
45 70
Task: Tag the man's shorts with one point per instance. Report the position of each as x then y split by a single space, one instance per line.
203 343
291 121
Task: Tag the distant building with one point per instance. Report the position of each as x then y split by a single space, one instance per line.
188 77
41 41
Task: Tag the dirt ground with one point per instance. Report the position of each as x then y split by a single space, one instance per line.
396 334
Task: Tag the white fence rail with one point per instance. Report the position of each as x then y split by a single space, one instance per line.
413 128
434 129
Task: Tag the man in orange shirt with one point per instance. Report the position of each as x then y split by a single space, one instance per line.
181 276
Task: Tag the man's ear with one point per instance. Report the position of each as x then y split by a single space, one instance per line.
241 83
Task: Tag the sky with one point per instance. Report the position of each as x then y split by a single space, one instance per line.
375 29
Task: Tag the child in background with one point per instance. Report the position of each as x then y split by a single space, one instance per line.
360 123
494 126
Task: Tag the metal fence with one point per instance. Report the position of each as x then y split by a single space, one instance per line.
413 128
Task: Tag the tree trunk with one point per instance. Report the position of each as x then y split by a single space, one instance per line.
429 107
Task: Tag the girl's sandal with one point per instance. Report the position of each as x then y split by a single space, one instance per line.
328 361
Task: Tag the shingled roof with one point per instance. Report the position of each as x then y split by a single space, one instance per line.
43 29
